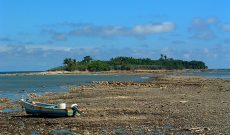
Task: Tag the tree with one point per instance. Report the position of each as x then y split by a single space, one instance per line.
70 64
125 67
87 59
129 63
98 66
67 61
165 57
162 57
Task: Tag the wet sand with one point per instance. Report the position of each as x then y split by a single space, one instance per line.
169 105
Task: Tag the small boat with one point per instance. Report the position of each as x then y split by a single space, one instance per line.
38 108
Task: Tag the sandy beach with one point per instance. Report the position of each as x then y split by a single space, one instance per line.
166 105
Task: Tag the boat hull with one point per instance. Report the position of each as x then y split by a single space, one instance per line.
46 109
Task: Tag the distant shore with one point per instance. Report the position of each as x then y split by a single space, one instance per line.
101 72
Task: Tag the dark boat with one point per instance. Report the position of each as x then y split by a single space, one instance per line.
38 108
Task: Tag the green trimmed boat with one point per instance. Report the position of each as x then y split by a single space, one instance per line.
38 108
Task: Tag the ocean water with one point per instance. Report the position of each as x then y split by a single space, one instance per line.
19 72
15 87
210 73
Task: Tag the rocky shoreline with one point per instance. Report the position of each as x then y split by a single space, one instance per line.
166 105
111 72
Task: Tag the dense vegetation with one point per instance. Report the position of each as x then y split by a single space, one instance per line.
128 63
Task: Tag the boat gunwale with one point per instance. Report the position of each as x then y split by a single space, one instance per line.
31 104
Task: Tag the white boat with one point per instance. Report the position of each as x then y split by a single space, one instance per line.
38 108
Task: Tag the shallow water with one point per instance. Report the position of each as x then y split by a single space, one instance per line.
15 87
62 132
15 109
209 74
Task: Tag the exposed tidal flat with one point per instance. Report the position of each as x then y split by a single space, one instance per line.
15 87
165 105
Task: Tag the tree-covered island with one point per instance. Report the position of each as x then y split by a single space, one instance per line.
128 63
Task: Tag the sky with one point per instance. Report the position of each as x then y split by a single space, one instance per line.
38 35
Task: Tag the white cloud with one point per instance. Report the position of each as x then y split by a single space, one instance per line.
116 30
205 35
212 20
187 56
91 30
30 49
226 27
59 36
206 50
154 28
46 57
203 29
205 22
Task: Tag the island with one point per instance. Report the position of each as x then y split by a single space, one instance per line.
128 64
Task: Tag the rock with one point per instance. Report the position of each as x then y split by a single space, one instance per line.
206 129
4 100
183 102
2 107
86 132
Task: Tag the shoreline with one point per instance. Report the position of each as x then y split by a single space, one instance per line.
178 104
112 72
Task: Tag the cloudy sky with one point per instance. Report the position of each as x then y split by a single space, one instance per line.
38 35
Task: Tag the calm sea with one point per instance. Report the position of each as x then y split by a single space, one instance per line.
15 87
212 73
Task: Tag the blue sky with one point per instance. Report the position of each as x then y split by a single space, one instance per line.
38 35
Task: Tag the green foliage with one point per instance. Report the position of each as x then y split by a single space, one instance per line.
71 67
87 59
129 63
197 65
98 66
70 64
163 57
119 63
82 67
60 68
125 67
67 61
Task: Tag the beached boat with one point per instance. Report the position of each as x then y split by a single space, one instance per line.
38 108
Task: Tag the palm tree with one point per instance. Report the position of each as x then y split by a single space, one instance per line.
74 61
165 57
87 59
162 57
67 61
